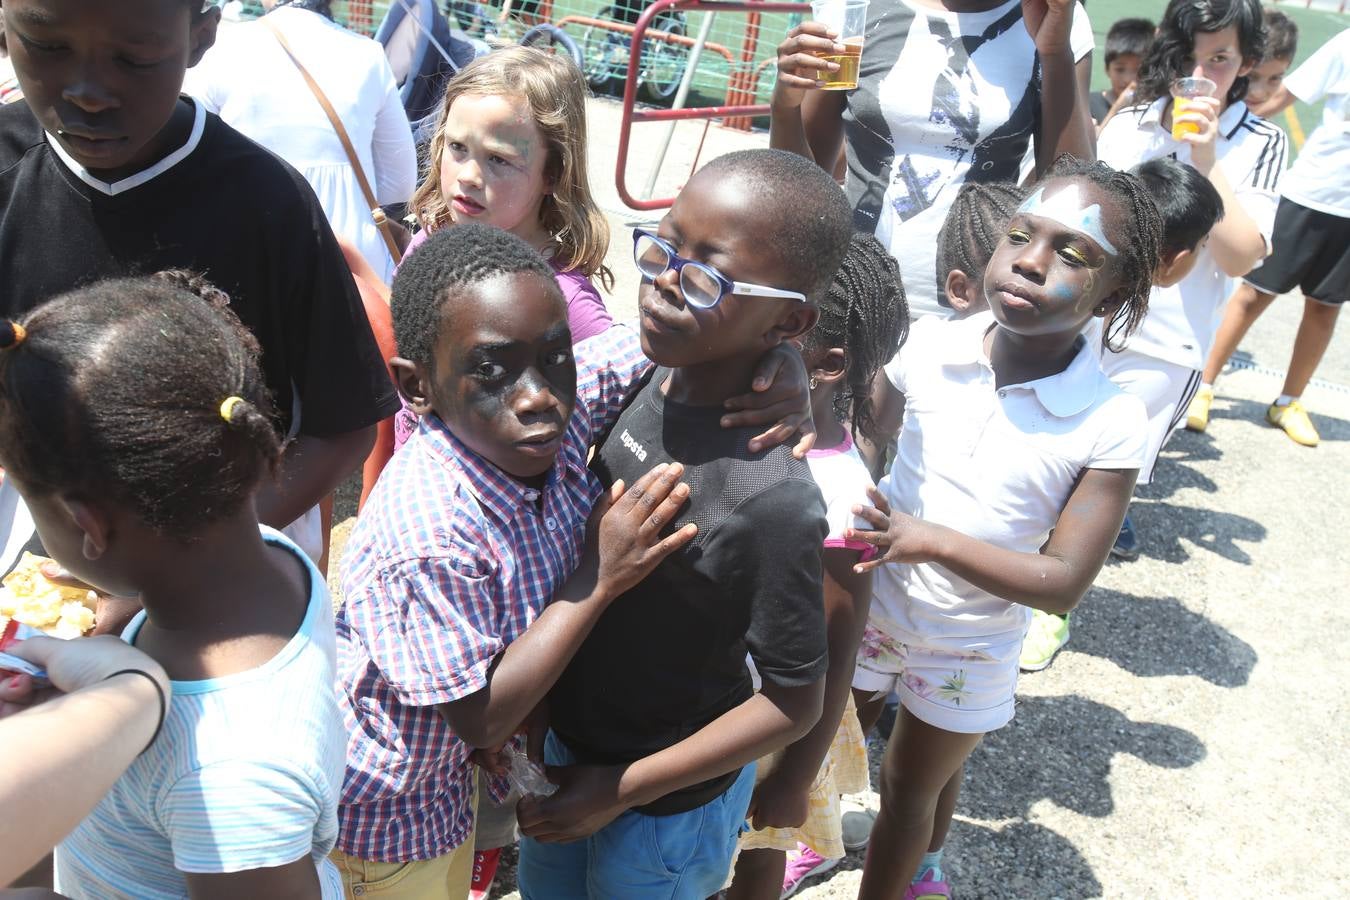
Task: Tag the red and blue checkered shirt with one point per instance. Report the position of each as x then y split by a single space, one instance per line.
450 561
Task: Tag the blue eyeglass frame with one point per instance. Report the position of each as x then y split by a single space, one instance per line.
726 285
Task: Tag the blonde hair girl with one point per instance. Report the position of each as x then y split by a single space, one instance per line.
510 151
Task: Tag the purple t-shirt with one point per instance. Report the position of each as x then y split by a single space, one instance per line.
586 316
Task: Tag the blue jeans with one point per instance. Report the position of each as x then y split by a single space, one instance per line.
639 857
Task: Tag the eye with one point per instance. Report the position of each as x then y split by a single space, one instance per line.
135 64
39 47
489 371
456 146
558 357
1018 236
1073 257
499 160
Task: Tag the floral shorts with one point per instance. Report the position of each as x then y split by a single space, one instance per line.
967 692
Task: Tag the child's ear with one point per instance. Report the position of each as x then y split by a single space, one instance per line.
203 35
1173 267
798 321
831 366
414 383
957 289
1108 305
93 523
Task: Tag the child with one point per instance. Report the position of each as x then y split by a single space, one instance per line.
654 722
131 177
795 808
1311 248
510 151
137 427
1243 157
1127 44
978 218
1012 435
447 640
1189 206
1266 76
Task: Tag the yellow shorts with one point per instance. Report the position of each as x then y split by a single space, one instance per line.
447 876
844 771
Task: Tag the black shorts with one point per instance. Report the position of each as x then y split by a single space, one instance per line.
1311 251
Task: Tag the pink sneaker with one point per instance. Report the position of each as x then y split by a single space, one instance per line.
927 889
801 865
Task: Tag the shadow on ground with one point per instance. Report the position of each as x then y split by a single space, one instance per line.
1133 631
1329 427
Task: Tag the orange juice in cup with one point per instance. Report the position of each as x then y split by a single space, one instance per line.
847 18
1185 91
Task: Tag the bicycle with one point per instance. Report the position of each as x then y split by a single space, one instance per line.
606 53
516 23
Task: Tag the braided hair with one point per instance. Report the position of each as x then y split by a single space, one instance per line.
865 313
146 392
974 226
1140 244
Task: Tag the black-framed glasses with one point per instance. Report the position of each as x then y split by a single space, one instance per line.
702 285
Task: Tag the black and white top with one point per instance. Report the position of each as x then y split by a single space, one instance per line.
941 97
668 657
219 205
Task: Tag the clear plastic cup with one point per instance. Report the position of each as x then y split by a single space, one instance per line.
847 18
1184 91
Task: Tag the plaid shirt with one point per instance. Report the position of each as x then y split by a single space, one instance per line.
450 561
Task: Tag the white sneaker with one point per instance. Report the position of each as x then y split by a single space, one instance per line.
857 823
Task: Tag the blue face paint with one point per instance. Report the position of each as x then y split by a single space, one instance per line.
1062 292
1068 210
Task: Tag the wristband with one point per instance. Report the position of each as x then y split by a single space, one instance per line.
163 701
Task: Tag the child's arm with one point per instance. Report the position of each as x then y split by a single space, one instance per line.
299 880
1053 580
888 410
590 797
781 799
1236 240
624 545
1066 126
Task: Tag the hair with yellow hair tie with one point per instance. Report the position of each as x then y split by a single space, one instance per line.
11 334
227 408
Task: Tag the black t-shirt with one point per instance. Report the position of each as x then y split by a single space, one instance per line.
668 657
229 210
1098 106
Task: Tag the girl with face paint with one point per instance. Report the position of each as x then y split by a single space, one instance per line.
1010 479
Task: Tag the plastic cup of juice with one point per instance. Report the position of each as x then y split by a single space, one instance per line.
847 18
1184 93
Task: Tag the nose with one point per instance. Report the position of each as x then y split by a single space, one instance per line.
470 173
1031 261
1199 71
534 395
668 283
87 91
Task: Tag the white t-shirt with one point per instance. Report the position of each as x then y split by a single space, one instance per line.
1183 319
941 97
250 82
245 774
997 464
843 479
1320 177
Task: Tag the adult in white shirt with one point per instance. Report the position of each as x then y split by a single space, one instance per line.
948 91
1242 155
250 82
1311 243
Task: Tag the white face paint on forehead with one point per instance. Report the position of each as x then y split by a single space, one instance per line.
1068 210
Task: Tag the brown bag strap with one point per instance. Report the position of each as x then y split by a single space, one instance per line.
376 213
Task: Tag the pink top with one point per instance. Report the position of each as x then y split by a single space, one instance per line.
586 316
843 480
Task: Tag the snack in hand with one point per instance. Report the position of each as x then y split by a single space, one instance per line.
30 598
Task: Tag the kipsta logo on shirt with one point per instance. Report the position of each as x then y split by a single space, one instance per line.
631 443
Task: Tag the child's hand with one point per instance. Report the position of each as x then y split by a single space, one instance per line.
779 801
111 614
628 537
780 395
798 63
587 800
1203 112
1049 22
493 760
72 666
898 538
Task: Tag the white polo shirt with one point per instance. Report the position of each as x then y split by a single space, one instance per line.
1318 179
1183 319
997 464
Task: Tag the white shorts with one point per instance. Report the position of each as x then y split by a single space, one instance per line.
963 692
1166 389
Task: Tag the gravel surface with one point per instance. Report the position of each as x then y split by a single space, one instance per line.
1191 740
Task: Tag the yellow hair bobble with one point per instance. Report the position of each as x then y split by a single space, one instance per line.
11 334
227 408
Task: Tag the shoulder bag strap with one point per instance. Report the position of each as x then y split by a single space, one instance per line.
376 213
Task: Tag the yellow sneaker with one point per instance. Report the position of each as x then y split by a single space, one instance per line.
1293 418
1197 414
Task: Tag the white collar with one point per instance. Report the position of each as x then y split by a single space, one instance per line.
1229 119
112 189
1063 394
